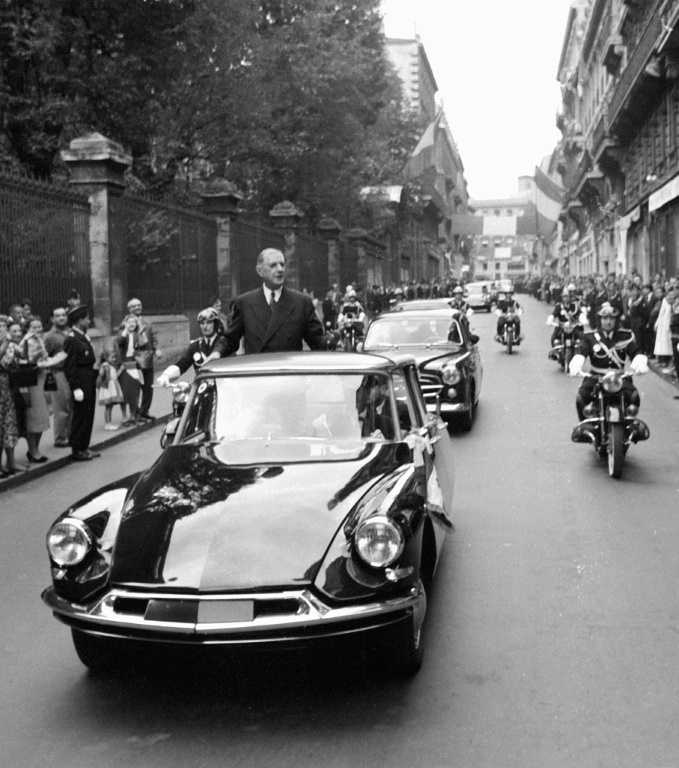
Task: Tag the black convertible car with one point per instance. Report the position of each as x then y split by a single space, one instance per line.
446 352
299 497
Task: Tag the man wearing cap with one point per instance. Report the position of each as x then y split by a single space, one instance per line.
198 351
607 349
82 379
272 318
147 352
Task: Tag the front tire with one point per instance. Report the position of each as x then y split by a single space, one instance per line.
510 340
467 418
400 651
103 656
616 450
567 357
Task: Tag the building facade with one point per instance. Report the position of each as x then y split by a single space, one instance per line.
619 158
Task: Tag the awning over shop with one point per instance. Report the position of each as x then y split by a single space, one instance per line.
663 196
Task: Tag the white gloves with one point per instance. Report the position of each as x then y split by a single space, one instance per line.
575 366
166 377
78 395
551 321
639 365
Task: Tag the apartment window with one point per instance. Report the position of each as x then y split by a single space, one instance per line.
497 212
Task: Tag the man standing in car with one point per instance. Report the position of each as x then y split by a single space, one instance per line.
272 318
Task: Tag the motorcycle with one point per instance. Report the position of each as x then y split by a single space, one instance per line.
352 333
510 336
564 346
610 424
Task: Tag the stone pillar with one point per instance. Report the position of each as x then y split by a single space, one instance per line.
221 200
286 216
97 166
330 230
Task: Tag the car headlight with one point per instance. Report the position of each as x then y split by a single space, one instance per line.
379 542
451 374
68 542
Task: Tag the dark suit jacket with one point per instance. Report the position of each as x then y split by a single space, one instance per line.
79 363
293 321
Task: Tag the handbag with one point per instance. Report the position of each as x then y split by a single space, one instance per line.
50 382
25 375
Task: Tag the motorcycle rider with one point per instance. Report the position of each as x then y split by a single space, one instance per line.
607 349
459 303
505 304
207 345
566 311
351 313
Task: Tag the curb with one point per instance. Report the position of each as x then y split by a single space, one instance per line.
670 378
24 477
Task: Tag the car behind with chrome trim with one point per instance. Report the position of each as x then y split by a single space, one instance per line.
300 497
447 355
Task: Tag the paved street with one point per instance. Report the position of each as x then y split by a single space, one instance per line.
551 641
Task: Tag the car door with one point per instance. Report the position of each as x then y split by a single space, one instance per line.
435 449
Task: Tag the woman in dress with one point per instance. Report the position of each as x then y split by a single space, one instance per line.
9 426
129 374
37 414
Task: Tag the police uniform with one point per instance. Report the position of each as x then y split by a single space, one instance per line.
606 351
198 351
565 312
80 374
508 305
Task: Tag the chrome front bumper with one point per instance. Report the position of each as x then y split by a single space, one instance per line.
233 619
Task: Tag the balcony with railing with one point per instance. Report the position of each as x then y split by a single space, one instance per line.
633 85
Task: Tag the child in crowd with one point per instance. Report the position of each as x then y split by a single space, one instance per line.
110 393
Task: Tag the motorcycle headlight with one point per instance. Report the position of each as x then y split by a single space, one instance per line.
612 382
379 542
451 374
68 542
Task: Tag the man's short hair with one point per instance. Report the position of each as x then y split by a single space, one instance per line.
266 252
133 301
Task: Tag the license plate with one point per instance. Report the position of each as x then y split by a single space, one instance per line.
225 611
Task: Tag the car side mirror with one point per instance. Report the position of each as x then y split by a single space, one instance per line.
359 346
474 338
169 432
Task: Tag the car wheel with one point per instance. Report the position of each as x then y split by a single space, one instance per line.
467 418
104 656
405 650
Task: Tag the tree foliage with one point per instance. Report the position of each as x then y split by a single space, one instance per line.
288 99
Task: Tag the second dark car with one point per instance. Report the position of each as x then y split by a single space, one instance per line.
447 355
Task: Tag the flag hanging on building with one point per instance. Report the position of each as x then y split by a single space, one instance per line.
423 155
549 197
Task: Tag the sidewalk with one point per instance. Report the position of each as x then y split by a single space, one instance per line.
59 458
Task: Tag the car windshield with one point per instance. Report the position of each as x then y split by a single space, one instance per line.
405 330
290 417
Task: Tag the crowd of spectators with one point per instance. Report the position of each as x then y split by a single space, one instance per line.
649 308
34 390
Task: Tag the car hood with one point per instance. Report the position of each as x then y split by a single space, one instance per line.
195 523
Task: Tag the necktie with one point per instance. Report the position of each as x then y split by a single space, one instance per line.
272 301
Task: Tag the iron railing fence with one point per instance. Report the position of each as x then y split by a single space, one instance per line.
44 244
171 255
